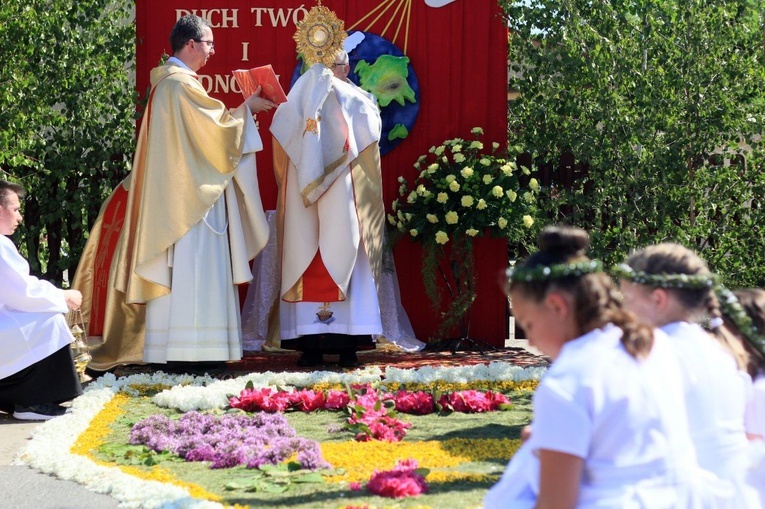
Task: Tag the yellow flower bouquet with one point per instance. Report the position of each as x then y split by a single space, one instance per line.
464 189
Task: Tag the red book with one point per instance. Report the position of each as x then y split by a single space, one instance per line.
250 79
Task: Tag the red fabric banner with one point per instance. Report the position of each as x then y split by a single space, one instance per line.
457 75
111 226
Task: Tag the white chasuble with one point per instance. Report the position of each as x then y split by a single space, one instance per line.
324 126
330 225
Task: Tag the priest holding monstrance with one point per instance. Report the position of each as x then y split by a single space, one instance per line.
330 212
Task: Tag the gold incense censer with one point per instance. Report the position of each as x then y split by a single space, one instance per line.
80 348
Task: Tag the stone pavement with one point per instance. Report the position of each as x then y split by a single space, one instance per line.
25 488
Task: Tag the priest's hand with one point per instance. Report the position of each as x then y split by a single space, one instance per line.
73 299
257 103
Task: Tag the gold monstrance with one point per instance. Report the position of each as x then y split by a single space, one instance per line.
319 36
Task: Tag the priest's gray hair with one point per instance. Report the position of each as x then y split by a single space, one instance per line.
341 57
187 28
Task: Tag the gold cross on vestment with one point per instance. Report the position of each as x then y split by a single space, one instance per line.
312 125
324 312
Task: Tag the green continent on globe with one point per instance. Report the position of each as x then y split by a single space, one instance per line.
398 131
386 79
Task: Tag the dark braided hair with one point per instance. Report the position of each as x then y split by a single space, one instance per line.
596 299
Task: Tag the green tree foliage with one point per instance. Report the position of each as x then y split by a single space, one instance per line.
67 111
664 100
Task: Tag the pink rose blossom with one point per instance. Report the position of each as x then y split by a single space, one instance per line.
497 399
418 403
472 401
309 400
401 481
337 400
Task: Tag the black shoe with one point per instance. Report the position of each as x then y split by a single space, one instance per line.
191 367
309 359
348 360
41 412
94 374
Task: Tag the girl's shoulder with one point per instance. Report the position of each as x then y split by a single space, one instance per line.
583 360
597 343
695 345
7 247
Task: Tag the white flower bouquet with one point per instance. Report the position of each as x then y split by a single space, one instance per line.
463 190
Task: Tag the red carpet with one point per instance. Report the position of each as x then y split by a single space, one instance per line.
268 361
258 362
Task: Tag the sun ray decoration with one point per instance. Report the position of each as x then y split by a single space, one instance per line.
403 9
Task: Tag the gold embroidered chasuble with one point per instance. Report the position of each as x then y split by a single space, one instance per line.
188 151
188 155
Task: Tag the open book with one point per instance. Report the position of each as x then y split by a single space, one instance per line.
250 79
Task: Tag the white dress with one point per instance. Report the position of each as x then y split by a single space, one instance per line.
755 425
625 418
754 421
716 397
32 324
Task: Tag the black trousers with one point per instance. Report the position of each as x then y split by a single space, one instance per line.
328 343
50 380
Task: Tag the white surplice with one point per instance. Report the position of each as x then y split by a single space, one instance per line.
32 323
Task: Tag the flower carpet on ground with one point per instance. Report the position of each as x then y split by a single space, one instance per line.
158 440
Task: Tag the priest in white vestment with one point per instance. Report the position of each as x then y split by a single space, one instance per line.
330 217
37 372
194 218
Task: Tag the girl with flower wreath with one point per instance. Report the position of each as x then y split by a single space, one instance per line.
670 287
744 314
609 427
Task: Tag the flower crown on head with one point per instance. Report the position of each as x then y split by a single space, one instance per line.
686 281
557 271
735 312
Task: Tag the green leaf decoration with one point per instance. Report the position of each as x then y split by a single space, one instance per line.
313 477
422 471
